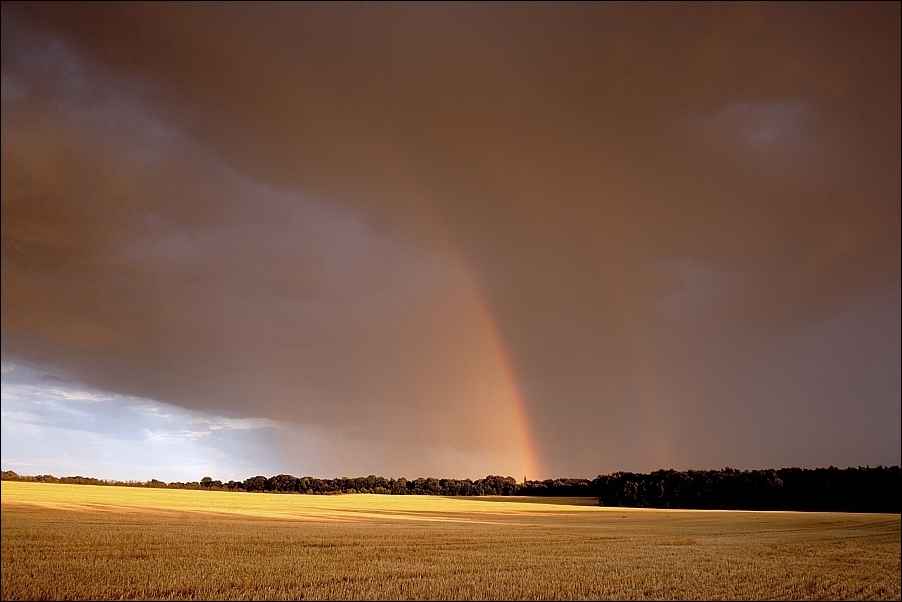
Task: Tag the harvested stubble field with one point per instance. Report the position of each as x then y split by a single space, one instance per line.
79 541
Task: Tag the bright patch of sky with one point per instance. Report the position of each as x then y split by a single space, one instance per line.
774 125
53 426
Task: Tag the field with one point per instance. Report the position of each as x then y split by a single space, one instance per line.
80 541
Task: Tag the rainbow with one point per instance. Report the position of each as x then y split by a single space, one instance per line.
654 446
512 405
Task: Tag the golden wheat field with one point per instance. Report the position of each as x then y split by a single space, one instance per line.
80 541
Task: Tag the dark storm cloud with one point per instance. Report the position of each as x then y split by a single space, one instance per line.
685 219
136 259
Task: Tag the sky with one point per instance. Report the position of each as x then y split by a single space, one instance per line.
451 240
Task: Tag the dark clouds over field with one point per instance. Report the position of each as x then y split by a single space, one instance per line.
675 227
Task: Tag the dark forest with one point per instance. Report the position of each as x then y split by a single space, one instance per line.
862 489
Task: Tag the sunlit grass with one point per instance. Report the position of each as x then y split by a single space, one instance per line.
71 541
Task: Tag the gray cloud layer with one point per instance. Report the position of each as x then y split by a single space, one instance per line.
684 220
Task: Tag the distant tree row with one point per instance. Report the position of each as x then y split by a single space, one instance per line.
283 483
862 489
10 475
491 485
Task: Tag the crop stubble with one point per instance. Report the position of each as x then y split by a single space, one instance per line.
78 542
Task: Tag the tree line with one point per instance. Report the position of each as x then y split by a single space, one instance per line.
862 489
